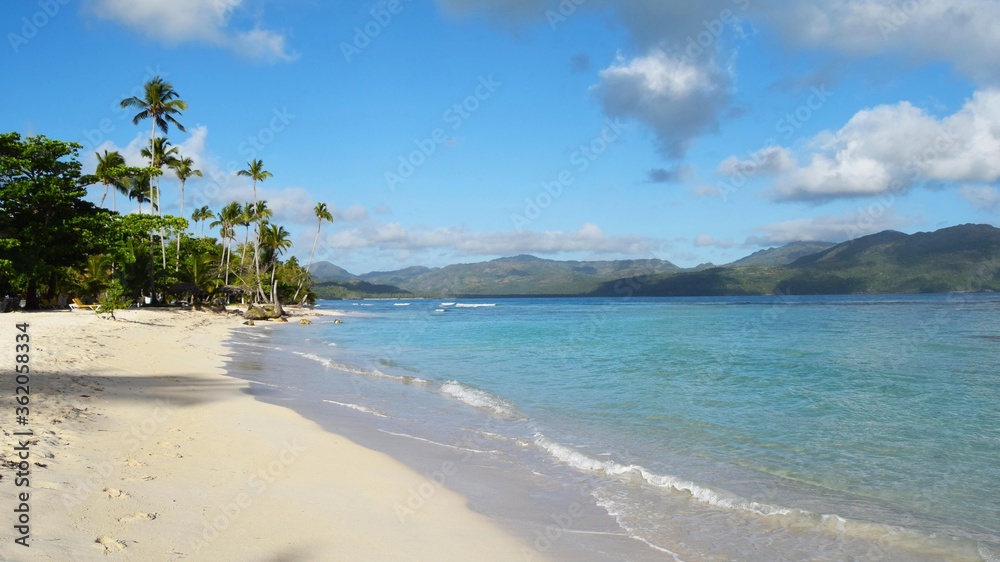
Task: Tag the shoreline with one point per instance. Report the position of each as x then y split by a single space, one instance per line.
400 395
148 450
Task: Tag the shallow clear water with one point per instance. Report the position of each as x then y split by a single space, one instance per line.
827 428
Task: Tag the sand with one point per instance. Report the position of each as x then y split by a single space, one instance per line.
144 450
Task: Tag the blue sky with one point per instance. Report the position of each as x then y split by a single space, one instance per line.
456 131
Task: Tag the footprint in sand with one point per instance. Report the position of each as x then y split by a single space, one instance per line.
109 544
115 493
141 478
133 462
167 455
137 516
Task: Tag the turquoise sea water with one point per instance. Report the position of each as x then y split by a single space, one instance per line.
825 428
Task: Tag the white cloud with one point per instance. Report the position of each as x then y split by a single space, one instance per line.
983 197
826 228
706 190
649 22
677 98
460 241
891 148
766 161
194 21
706 240
678 88
965 33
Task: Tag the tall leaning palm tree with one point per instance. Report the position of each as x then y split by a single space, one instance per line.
159 104
184 169
246 219
275 240
227 221
322 212
256 172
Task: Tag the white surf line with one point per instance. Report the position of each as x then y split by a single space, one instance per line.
358 408
436 443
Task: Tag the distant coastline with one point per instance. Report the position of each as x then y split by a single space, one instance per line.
959 259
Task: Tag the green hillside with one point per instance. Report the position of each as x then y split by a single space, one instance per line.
963 258
357 289
527 275
783 255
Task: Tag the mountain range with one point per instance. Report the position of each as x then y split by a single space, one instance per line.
957 259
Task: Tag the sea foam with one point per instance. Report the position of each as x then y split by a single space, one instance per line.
358 407
480 399
704 494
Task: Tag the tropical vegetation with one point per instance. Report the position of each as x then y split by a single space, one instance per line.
53 241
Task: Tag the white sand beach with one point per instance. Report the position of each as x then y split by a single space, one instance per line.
144 450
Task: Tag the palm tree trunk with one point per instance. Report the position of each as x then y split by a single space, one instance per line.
256 246
152 255
277 302
229 255
105 194
312 253
260 284
274 269
159 211
246 242
222 259
180 233
152 264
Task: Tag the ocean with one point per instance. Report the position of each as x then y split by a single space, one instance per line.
731 428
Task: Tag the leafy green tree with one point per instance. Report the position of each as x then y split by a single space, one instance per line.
47 225
114 298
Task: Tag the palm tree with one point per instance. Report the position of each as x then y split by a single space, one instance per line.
227 221
110 171
159 104
275 240
95 277
255 171
198 270
162 154
322 214
201 215
183 168
135 188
